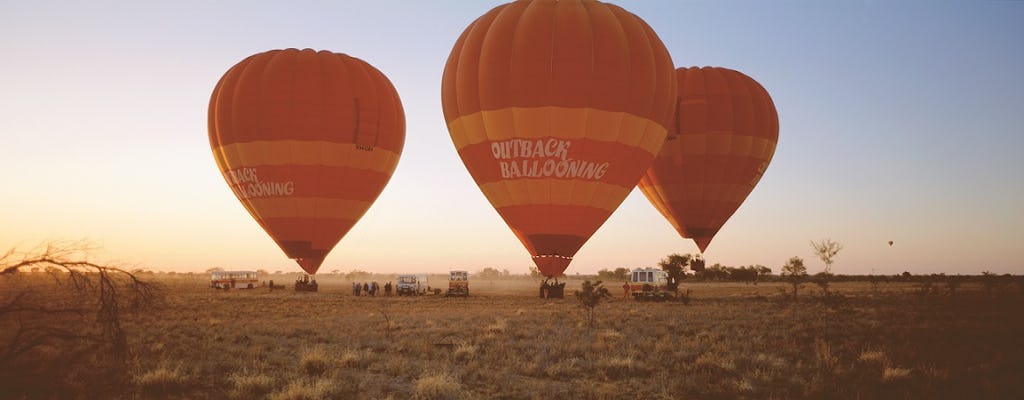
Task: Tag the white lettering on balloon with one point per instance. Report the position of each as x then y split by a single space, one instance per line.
247 185
760 171
543 158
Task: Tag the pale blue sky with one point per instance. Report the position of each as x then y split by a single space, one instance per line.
899 121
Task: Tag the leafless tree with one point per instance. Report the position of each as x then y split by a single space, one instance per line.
70 310
826 250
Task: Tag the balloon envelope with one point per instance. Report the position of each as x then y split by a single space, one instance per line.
306 140
556 108
724 136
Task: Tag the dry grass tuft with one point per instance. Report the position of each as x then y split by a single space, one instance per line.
712 361
772 361
890 374
610 335
743 385
874 357
823 352
250 386
499 326
565 368
162 380
618 367
315 361
306 390
353 358
934 373
465 351
610 340
438 385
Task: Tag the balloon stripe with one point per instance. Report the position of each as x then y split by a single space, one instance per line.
310 207
561 193
294 152
589 123
696 193
612 163
691 168
305 181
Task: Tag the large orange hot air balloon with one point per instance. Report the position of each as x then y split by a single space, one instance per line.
723 138
307 140
557 108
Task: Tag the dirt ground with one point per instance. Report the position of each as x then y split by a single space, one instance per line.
732 340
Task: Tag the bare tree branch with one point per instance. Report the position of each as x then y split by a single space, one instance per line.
49 322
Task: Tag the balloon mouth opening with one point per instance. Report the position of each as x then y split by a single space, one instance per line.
551 265
310 265
550 258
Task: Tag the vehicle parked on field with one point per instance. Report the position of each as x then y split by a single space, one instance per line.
458 283
649 284
411 284
234 279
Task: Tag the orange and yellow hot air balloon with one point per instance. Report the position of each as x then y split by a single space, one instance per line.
306 140
723 138
557 108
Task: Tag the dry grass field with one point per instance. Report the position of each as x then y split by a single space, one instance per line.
732 340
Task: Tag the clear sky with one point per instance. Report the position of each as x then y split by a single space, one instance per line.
899 121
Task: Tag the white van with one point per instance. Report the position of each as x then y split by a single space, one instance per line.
411 284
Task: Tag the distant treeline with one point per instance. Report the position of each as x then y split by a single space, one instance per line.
712 273
760 273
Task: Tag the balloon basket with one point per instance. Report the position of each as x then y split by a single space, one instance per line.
305 284
552 290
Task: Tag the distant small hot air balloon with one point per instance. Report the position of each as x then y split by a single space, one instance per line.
724 136
556 108
306 140
890 243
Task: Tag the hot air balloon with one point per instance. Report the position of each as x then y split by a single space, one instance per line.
890 243
723 138
556 108
306 140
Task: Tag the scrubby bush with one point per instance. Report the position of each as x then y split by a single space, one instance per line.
795 272
589 296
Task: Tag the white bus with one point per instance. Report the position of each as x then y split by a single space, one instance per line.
234 279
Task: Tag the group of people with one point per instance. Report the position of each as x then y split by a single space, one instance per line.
306 284
552 290
306 280
370 289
